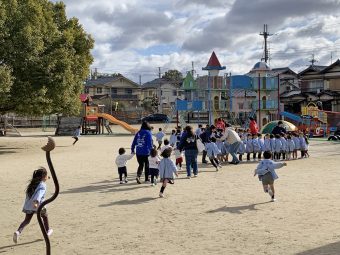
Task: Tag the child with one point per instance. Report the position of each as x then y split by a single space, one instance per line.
179 158
212 152
261 143
198 131
290 147
166 145
256 146
242 148
167 169
266 173
249 146
159 138
121 161
154 160
76 135
267 143
303 145
272 144
173 138
35 195
306 147
277 147
297 145
284 145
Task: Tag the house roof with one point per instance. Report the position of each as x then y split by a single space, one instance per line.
156 83
313 68
214 63
104 80
336 63
282 70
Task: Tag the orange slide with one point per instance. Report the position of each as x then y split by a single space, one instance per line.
118 122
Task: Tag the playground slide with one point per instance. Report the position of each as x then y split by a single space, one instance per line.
291 116
118 122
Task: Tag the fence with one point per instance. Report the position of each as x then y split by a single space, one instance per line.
30 122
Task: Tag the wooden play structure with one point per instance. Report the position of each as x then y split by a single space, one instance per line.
95 120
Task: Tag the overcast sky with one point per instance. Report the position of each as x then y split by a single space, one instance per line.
135 37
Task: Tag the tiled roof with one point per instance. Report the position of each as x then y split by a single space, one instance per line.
157 82
214 63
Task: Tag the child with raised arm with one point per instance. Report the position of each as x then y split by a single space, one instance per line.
154 160
167 170
121 161
266 173
35 195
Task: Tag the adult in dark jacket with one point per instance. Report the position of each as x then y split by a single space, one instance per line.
189 145
279 129
143 145
205 137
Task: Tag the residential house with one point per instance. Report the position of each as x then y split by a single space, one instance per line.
117 90
165 91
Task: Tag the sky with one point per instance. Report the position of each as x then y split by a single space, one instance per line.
135 37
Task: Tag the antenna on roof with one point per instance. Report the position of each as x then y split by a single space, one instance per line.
265 35
313 60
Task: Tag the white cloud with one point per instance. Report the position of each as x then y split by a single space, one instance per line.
130 34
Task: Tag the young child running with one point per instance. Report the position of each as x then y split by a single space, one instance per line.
154 160
159 137
266 173
179 159
167 169
173 138
121 161
212 152
76 135
166 145
35 195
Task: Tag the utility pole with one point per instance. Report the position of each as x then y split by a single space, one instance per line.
265 35
192 69
160 107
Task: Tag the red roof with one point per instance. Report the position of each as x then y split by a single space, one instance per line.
214 63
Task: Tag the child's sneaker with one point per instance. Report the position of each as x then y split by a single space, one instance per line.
16 236
161 194
273 199
189 177
138 180
195 175
126 180
49 232
121 182
216 169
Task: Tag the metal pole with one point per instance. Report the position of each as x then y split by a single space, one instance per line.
278 96
259 92
209 100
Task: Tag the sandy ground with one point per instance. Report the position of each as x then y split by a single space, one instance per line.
222 212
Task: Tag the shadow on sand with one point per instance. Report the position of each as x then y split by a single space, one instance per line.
2 249
237 209
130 202
329 249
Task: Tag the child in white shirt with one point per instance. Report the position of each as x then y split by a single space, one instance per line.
154 160
179 159
173 138
266 173
121 161
159 138
166 145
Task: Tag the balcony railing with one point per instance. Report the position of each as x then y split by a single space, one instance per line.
129 97
266 83
265 104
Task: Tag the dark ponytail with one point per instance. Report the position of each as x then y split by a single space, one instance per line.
37 177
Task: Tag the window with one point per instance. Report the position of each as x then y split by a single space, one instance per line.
128 91
150 93
99 90
87 90
114 91
174 93
240 106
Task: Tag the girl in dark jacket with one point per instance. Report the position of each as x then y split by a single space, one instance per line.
143 144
